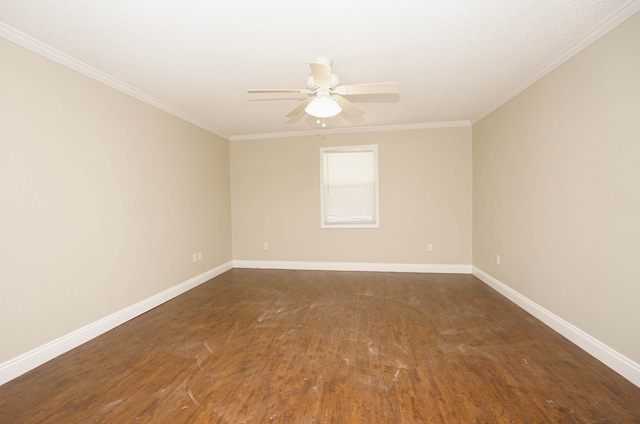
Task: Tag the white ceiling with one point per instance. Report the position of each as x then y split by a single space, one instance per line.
455 61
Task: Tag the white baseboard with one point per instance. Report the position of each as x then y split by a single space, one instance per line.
32 359
611 358
38 356
355 266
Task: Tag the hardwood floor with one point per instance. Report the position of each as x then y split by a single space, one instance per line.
270 346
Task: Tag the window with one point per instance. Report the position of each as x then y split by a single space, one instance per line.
349 187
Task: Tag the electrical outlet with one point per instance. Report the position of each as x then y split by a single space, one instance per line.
195 257
265 246
430 247
498 259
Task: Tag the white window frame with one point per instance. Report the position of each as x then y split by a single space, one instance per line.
375 223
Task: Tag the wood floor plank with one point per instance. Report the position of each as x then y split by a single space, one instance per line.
277 346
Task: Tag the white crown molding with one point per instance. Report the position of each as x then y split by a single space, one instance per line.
613 21
36 357
351 130
354 266
608 356
63 59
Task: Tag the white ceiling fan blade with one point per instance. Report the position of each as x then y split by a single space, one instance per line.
321 73
280 90
347 107
300 108
373 88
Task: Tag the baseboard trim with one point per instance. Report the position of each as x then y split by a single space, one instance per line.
354 266
38 356
608 356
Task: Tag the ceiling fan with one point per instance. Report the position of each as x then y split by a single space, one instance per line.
326 97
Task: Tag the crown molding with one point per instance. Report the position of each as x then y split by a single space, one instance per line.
63 59
49 52
613 21
351 130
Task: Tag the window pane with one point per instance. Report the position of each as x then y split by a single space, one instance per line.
349 185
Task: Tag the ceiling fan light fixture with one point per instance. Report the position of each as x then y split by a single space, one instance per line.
323 107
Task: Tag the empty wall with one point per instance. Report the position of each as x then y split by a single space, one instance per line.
557 191
425 197
103 200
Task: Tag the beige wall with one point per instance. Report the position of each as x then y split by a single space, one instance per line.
425 197
103 200
557 191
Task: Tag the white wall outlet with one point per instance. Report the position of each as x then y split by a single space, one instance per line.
199 256
265 246
195 257
430 247
498 259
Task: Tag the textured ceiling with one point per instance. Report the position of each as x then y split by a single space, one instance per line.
455 61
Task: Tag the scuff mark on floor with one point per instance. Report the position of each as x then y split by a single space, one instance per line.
111 405
200 360
264 316
192 398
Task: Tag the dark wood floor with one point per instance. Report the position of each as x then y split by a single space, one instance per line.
268 346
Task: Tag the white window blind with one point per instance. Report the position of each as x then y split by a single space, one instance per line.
349 187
